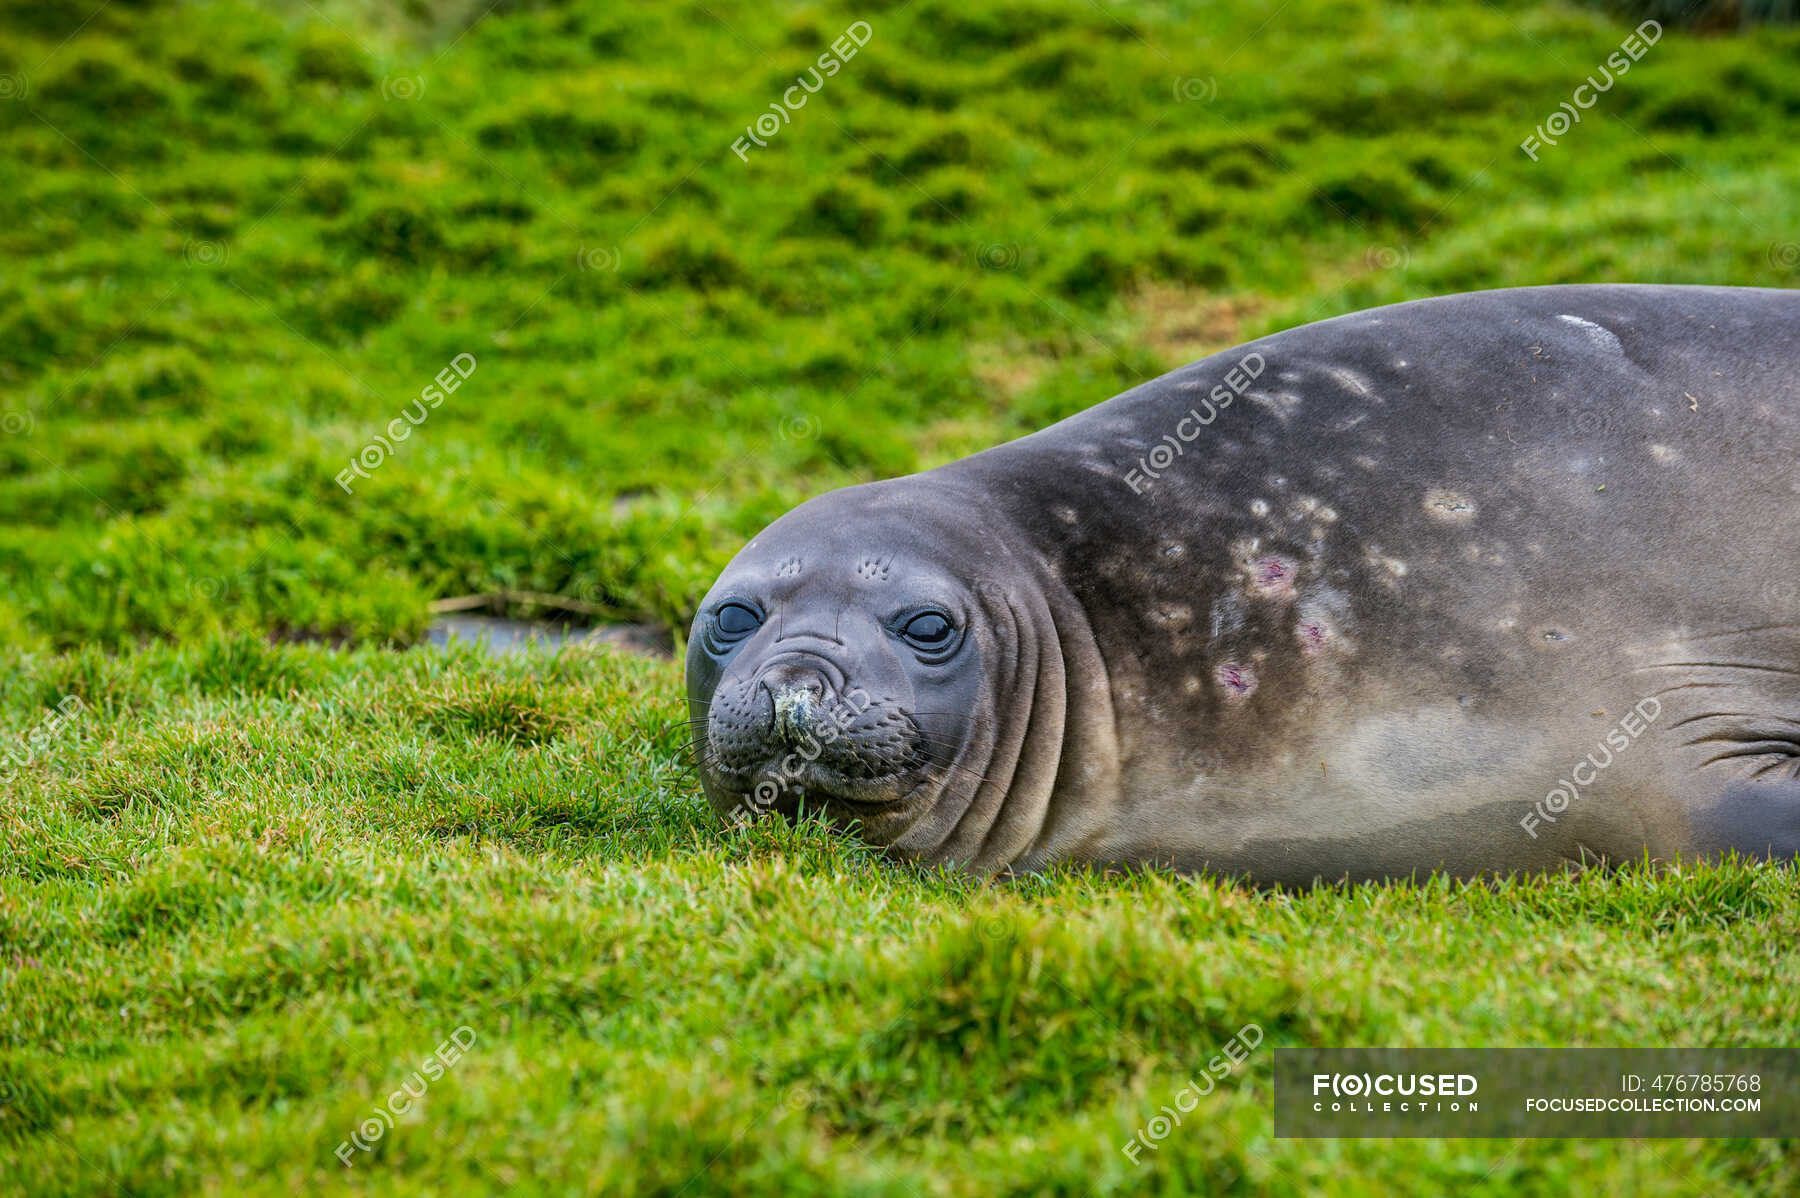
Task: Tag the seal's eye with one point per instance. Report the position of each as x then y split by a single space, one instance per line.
928 629
734 620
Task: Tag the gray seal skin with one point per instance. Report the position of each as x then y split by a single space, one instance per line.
1494 582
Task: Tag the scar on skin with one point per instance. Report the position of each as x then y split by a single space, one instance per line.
1237 680
1274 575
1449 507
1312 635
788 568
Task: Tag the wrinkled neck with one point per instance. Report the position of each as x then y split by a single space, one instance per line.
1040 779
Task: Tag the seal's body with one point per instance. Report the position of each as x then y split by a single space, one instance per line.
1497 581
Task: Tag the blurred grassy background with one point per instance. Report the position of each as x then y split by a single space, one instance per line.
240 238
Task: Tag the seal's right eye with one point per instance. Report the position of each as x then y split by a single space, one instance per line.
736 620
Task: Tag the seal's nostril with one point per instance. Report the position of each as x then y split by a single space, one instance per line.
794 678
797 697
796 709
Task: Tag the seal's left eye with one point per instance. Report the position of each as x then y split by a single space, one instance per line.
928 628
735 620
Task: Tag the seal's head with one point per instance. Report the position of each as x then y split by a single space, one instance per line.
880 655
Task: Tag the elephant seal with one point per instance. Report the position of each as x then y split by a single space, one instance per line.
1494 582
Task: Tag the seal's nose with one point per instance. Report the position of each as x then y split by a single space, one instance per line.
798 694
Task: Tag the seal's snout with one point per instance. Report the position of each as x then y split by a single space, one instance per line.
798 694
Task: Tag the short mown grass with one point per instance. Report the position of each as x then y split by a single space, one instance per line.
251 887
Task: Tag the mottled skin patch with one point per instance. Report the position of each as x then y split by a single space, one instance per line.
1238 681
1313 635
1274 576
1446 691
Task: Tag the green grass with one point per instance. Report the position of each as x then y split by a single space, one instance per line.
255 883
240 238
251 887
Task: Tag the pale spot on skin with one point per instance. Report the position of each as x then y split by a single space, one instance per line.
1349 380
1663 454
1366 462
1259 507
1190 685
1067 515
1281 403
1245 548
1380 561
1599 335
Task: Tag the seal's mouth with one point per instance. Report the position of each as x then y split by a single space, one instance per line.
786 787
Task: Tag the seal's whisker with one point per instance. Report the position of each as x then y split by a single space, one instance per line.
959 715
1713 665
1701 636
952 765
